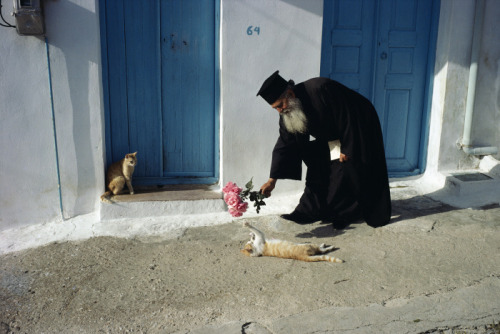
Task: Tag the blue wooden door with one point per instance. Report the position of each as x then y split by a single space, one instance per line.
161 87
383 49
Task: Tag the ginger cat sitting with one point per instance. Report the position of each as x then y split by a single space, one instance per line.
118 174
259 246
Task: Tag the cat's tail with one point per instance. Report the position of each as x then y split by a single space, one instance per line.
106 197
334 259
327 258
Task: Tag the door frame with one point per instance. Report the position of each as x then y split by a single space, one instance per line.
216 108
428 92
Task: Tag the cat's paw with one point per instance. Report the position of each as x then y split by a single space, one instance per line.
131 193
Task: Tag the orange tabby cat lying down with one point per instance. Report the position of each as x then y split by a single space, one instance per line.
259 246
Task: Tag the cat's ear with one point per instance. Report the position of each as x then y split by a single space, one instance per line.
134 154
248 250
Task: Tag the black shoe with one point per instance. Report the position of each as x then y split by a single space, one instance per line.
340 224
343 222
298 218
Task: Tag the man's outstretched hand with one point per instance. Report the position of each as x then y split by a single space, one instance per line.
268 187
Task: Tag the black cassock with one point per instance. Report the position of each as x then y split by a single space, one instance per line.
336 190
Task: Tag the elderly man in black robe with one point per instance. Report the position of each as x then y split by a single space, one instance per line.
336 132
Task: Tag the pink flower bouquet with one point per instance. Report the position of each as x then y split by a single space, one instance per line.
235 198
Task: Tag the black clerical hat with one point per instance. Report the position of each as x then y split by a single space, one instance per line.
272 88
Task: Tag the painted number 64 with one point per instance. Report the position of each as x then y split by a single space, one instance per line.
251 30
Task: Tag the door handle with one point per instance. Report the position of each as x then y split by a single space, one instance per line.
383 55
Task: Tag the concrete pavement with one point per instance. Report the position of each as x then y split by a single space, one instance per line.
470 307
434 269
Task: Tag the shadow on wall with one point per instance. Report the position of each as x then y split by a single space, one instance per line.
497 85
70 29
317 9
495 171
459 22
288 31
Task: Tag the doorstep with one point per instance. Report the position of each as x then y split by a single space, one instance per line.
164 201
182 192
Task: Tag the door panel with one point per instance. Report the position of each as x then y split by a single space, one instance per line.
402 48
392 67
117 82
143 86
186 51
347 45
162 95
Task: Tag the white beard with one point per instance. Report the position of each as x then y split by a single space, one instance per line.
294 119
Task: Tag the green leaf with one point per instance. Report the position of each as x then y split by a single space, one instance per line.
249 184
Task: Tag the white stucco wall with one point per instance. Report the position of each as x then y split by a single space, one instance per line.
486 123
28 170
450 84
289 41
28 179
453 59
74 38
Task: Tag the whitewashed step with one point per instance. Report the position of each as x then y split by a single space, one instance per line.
167 201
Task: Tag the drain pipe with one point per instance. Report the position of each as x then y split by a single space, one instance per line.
54 129
466 144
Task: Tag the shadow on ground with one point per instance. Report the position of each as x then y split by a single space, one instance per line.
402 209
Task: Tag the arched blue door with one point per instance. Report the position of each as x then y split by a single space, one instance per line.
384 49
161 87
